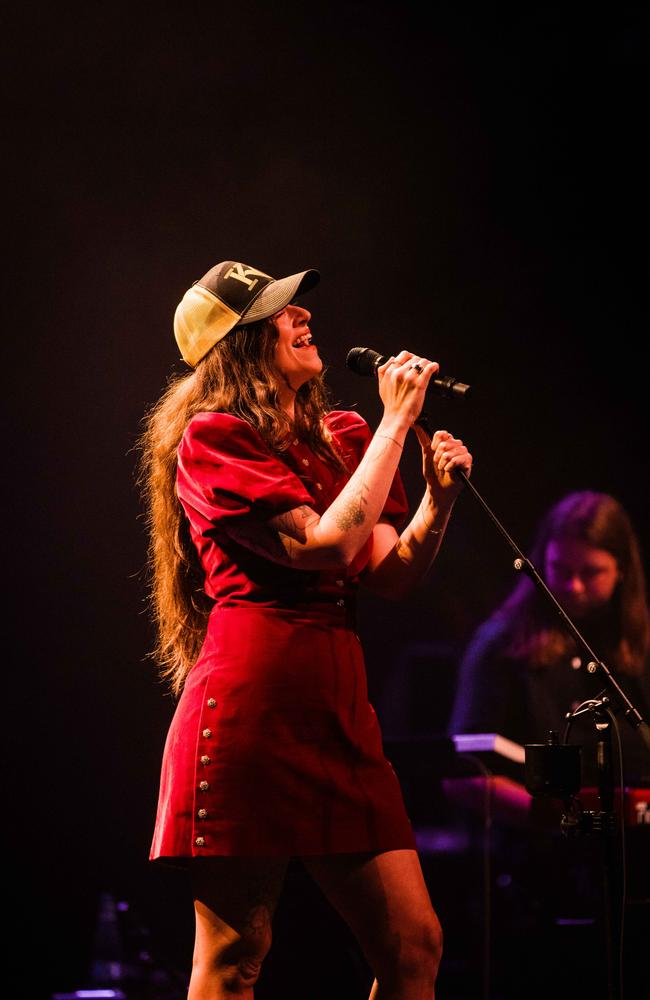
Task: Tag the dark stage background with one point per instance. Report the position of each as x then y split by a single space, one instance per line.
472 188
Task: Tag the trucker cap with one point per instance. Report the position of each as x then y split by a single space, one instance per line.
231 294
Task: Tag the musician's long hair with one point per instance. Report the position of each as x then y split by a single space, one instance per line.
237 376
532 629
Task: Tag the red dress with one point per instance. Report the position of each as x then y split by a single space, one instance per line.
274 749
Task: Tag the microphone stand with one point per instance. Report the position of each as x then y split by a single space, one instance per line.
612 699
602 822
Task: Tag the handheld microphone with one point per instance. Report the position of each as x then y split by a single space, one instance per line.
364 361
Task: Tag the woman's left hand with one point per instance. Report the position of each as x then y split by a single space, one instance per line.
441 455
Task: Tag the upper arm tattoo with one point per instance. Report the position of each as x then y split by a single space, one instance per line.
280 538
295 523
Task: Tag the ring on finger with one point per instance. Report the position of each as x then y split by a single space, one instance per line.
417 367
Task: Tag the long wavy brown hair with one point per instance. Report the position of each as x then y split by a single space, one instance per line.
238 376
532 629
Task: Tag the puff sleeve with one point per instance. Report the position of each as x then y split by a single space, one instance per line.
226 473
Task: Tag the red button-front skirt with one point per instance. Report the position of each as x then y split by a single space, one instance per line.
274 749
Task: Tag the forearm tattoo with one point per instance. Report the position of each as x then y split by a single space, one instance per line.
350 513
406 551
403 550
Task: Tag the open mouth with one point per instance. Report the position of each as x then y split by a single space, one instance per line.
304 340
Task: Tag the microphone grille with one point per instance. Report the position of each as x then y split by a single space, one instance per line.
362 360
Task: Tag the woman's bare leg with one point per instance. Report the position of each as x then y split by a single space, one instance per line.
234 902
384 900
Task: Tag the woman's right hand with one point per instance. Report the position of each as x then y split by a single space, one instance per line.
403 384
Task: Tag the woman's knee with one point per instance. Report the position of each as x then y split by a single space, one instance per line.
385 901
234 902
234 958
415 952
